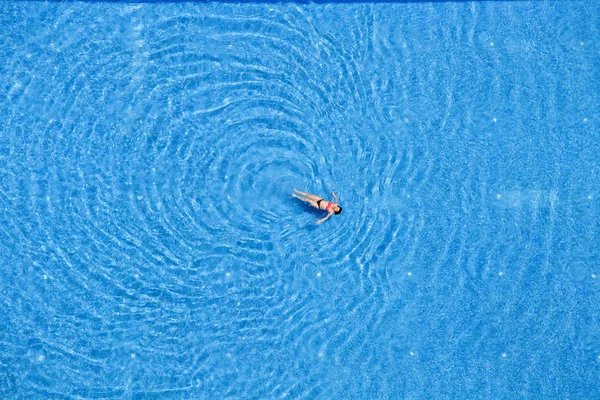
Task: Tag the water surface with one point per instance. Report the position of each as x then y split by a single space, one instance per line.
150 247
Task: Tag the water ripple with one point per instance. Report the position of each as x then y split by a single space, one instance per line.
157 195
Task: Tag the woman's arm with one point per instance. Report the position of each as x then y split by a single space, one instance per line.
324 219
335 197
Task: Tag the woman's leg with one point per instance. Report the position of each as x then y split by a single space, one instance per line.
307 200
301 198
310 196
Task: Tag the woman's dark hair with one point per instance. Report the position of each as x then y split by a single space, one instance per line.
338 211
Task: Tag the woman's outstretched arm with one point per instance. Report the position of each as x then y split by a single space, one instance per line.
324 219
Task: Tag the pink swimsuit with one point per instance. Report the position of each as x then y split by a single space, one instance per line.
327 208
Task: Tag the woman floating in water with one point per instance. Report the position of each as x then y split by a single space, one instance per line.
317 202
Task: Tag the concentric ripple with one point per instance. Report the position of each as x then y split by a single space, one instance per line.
161 188
152 248
158 194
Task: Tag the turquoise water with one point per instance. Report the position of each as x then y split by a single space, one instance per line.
150 246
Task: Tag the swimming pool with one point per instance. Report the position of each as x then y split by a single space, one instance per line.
151 247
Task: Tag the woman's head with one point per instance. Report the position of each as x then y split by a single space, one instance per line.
338 210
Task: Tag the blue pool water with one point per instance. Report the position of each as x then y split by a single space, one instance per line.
150 246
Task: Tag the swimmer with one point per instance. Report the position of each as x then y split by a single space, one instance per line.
321 204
